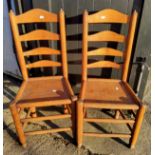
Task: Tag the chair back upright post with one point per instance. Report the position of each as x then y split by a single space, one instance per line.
130 39
85 46
108 16
18 46
63 43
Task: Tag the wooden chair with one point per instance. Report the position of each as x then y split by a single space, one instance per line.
41 91
108 93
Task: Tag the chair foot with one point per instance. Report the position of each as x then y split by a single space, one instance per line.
79 146
132 147
24 145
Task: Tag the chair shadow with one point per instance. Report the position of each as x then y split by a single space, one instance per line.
12 134
53 125
105 131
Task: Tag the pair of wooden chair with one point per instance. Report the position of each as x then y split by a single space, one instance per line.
48 91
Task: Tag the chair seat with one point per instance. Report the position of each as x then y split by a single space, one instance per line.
104 93
40 90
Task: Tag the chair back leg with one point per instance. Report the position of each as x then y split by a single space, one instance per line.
80 115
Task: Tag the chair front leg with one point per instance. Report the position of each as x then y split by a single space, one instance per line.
18 124
137 126
80 114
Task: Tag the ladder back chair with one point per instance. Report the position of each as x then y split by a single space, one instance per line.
113 94
36 92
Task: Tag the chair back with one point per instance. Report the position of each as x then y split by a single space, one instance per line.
108 16
39 16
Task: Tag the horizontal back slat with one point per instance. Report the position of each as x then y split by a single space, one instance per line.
105 51
107 36
39 35
42 51
35 16
103 64
108 16
43 63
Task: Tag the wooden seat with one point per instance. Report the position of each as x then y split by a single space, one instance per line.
41 91
108 94
46 89
112 94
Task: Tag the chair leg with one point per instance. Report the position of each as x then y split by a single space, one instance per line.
73 115
137 126
80 123
18 125
33 112
66 111
84 112
117 114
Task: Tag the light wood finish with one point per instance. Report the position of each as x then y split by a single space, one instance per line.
40 132
18 124
36 16
117 114
130 40
41 91
20 55
39 35
43 63
107 135
63 43
45 118
42 51
139 120
84 46
105 51
80 116
110 94
33 112
107 36
111 106
108 120
103 64
108 16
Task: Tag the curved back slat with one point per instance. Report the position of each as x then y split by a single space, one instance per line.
103 64
108 16
105 51
43 63
106 36
42 51
36 16
39 35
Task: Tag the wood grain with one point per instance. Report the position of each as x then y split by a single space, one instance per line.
103 64
107 36
39 35
108 16
36 16
42 51
105 51
43 63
